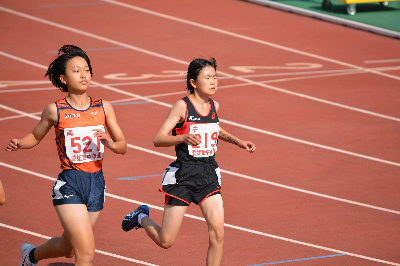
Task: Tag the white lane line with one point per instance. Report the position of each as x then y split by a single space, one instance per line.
254 178
265 182
31 89
274 183
220 72
97 250
302 74
223 120
19 112
5 83
382 61
225 224
260 130
243 37
18 116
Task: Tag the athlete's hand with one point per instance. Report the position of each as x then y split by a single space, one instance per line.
249 146
104 138
13 145
191 139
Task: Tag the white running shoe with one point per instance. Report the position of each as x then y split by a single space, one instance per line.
25 250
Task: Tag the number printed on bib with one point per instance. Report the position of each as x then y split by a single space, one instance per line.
208 134
81 146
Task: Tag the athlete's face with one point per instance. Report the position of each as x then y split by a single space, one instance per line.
77 75
206 82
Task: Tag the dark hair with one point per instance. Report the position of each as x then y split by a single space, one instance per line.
58 66
194 70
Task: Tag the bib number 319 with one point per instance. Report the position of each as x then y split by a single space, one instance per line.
82 146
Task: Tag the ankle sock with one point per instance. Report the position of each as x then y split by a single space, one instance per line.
32 256
140 217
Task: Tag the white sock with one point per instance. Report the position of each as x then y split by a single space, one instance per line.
140 217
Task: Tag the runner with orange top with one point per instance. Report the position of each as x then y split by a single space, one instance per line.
80 122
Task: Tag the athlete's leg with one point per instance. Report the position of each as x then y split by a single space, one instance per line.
213 211
54 248
165 235
60 246
77 238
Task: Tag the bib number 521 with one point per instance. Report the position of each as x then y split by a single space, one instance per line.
81 145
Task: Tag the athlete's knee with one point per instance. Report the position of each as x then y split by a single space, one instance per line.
86 255
217 234
68 253
65 248
166 243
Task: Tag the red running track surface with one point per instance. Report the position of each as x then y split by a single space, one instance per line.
320 101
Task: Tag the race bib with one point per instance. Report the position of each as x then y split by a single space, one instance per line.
81 146
208 134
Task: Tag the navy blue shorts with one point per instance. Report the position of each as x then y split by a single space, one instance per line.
77 187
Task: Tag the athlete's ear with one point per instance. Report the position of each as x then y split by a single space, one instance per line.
193 83
62 79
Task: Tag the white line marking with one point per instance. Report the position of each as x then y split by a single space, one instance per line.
19 112
220 72
227 121
381 61
225 224
303 75
250 69
261 130
273 183
97 250
18 116
31 89
248 38
182 62
319 100
4 84
246 176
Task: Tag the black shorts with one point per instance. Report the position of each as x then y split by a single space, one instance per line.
184 183
77 187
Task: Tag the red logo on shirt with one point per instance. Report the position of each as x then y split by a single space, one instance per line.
213 115
69 133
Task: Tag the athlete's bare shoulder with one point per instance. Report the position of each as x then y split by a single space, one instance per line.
181 104
216 104
178 111
50 113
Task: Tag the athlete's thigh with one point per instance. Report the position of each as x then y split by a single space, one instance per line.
93 217
213 210
76 222
172 220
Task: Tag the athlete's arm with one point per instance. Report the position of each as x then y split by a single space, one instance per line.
225 136
115 140
48 119
176 115
244 144
2 195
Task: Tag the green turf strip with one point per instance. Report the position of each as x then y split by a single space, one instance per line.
387 17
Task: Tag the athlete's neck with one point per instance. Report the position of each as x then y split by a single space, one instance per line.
79 101
201 102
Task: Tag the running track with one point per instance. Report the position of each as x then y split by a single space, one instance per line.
320 101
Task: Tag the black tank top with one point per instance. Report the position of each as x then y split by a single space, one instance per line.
204 127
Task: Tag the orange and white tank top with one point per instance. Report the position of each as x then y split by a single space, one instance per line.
77 147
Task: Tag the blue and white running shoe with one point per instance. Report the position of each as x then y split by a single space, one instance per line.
131 220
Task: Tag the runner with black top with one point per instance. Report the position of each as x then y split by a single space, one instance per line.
195 175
